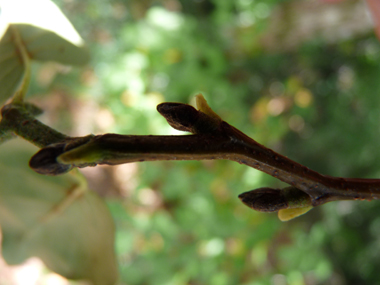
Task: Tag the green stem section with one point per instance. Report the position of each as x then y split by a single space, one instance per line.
16 119
5 133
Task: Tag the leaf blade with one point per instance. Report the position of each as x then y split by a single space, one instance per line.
76 241
12 69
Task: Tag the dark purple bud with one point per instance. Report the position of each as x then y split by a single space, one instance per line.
180 116
45 160
265 199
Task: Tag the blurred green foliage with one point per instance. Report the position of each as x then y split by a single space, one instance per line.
181 222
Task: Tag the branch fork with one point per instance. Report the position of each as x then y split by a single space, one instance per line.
212 138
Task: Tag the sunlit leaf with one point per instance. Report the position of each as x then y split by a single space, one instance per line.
43 32
46 45
52 218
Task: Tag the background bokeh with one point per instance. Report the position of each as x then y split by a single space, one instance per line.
301 77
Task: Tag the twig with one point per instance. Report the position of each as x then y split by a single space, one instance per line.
212 139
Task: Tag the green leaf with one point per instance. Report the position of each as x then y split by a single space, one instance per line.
47 45
12 69
43 32
54 218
